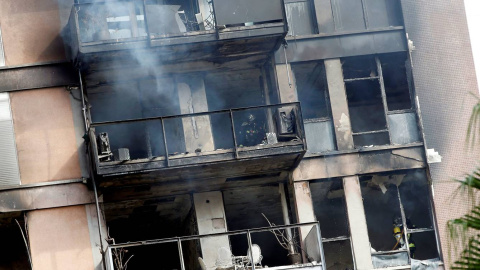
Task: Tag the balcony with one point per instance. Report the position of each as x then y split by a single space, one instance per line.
230 144
240 249
184 30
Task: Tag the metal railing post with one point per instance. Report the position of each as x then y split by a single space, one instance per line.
249 238
320 246
234 135
180 253
165 142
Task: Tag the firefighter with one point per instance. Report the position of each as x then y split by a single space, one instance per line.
398 234
251 132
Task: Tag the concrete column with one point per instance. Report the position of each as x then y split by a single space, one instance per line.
358 223
210 215
287 87
303 206
339 105
193 99
95 235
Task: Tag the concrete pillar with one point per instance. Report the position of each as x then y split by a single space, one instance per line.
193 99
60 238
339 105
210 215
94 233
358 223
286 83
303 206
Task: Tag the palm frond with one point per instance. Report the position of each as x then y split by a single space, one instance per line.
473 131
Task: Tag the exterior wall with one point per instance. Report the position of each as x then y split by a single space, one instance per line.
59 238
31 31
45 136
444 78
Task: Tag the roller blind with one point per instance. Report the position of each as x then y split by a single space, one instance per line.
9 172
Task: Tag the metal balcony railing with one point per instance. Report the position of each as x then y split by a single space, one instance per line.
264 130
313 251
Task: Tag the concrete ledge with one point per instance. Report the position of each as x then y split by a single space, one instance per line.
360 163
45 196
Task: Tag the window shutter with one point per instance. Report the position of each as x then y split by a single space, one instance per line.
9 172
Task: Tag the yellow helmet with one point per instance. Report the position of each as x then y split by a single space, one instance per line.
396 230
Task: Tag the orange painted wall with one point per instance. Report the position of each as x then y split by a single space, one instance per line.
45 135
59 239
31 31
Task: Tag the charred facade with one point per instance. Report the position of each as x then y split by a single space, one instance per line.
218 134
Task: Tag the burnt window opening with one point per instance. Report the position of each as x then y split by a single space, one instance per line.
138 99
15 256
399 218
330 210
379 100
249 208
312 92
155 218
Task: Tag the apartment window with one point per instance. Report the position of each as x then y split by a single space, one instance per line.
379 100
328 199
312 93
399 218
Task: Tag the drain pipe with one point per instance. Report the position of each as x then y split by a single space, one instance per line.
87 147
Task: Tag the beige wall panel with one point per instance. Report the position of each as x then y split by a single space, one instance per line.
59 239
31 31
45 135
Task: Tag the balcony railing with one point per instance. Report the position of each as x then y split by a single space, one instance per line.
189 139
118 25
223 258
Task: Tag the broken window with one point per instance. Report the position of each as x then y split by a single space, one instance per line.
312 93
155 218
379 100
329 206
255 207
14 253
399 218
237 89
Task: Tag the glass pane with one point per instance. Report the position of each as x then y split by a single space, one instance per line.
403 128
366 140
329 205
311 89
348 15
107 21
320 136
365 105
383 13
299 18
395 81
338 255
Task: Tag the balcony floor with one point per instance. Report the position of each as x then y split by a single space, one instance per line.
257 160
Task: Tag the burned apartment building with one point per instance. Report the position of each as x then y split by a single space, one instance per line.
232 134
